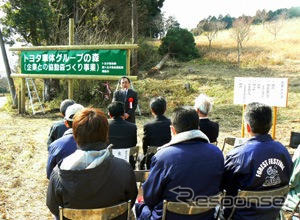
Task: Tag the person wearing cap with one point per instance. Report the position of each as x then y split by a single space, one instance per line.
58 128
91 177
65 145
129 97
203 105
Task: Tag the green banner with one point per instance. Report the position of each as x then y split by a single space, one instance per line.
82 62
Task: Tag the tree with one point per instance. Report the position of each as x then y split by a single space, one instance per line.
45 22
275 26
228 20
241 32
159 22
260 17
171 22
210 28
294 12
9 79
180 44
31 19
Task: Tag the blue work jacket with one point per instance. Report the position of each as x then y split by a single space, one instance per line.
259 164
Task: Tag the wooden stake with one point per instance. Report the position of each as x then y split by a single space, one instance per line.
23 88
274 122
71 42
128 63
243 122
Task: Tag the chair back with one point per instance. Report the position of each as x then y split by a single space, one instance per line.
107 213
134 151
228 140
215 143
294 139
141 175
192 208
295 212
250 195
152 150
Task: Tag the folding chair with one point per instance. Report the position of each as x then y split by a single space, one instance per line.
293 213
134 151
215 143
249 195
141 175
193 208
150 150
228 140
106 213
296 211
294 139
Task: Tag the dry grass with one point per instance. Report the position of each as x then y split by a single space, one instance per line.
23 151
261 49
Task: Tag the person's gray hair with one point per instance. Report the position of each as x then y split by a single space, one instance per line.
203 103
259 117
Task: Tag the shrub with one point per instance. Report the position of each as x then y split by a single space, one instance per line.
180 43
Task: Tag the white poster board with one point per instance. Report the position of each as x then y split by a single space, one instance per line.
270 91
121 153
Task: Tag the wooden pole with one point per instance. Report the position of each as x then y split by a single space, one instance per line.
134 29
23 88
274 122
19 100
243 122
71 42
128 63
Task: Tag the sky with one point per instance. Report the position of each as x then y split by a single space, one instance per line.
189 12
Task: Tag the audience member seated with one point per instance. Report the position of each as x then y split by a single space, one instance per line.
58 128
91 177
293 196
156 132
186 167
203 106
65 145
259 164
122 134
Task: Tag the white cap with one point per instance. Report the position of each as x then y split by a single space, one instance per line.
71 111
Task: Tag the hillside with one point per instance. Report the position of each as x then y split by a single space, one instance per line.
23 151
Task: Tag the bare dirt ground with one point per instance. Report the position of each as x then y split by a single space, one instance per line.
23 157
2 101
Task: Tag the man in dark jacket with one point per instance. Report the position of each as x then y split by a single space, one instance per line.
188 161
122 134
203 106
91 177
259 164
65 145
156 132
58 128
128 97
